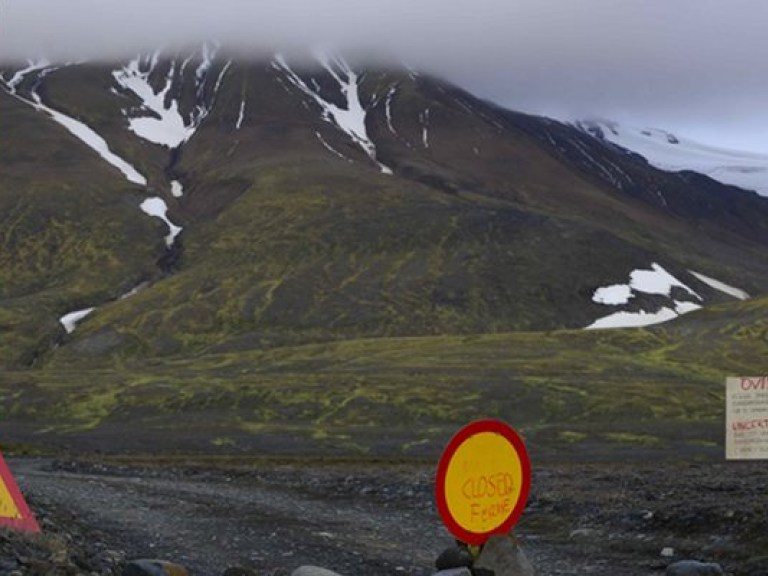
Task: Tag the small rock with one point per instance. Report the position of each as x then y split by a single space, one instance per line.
504 557
582 533
239 571
313 571
756 566
453 557
106 560
667 552
694 568
7 566
38 566
463 571
153 568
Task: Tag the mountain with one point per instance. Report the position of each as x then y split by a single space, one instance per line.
203 211
666 151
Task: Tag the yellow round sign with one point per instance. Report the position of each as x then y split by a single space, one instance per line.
483 481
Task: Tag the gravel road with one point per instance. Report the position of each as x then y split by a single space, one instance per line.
378 520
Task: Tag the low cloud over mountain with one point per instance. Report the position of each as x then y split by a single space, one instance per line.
695 66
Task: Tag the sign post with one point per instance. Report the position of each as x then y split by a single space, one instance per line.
746 418
14 512
483 481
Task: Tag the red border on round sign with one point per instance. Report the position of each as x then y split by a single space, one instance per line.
477 427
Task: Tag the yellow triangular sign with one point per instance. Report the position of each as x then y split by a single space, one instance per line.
14 512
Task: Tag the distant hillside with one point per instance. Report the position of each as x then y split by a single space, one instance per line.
573 394
310 201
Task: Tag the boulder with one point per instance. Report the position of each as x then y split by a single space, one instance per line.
146 567
583 534
454 557
694 568
8 565
313 571
503 556
239 571
463 571
106 561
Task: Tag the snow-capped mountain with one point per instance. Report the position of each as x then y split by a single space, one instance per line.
286 199
227 252
667 151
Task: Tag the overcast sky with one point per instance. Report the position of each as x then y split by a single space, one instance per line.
699 67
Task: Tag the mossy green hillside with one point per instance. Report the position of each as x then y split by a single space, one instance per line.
483 230
317 305
570 392
293 261
71 232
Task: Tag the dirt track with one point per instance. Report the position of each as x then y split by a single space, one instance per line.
380 520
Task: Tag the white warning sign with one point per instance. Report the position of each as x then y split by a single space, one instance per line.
746 418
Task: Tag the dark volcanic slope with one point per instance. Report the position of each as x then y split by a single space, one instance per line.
294 229
70 231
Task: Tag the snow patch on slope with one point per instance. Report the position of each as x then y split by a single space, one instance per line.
613 295
330 148
161 122
94 141
79 129
156 207
208 54
240 116
424 119
220 77
654 281
33 66
159 119
721 286
69 321
638 319
177 190
663 150
153 206
388 109
140 287
349 118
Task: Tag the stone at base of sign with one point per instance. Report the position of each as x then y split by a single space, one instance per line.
694 568
313 571
454 557
463 571
154 568
504 557
239 571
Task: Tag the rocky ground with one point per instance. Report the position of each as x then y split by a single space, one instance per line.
378 519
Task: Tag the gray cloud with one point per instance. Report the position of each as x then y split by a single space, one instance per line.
693 65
